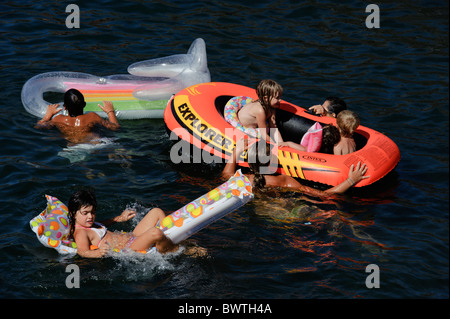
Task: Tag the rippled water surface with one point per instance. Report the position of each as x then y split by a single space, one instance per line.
280 245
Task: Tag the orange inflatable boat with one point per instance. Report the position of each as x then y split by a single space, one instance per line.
196 115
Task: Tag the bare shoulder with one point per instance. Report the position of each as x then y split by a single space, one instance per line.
80 233
90 118
281 181
59 119
337 149
256 105
257 109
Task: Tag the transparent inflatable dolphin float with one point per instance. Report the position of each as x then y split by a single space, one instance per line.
143 93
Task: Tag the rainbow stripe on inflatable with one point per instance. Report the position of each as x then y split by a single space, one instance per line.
120 94
143 93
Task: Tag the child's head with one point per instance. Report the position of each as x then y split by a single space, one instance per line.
334 106
74 102
347 122
330 137
78 200
269 93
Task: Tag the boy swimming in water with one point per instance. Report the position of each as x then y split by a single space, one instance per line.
77 127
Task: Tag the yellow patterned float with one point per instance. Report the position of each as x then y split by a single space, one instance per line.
52 225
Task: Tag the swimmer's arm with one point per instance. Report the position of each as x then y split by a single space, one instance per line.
45 122
84 244
108 108
126 215
354 176
290 183
293 145
230 166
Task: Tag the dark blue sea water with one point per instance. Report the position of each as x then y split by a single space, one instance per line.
280 246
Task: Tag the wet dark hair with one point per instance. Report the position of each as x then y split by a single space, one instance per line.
74 102
78 200
257 157
336 105
330 137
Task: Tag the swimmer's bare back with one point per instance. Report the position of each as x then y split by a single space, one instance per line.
79 129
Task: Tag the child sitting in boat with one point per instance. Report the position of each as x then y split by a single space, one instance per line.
331 107
263 164
260 114
77 127
330 137
87 232
347 122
